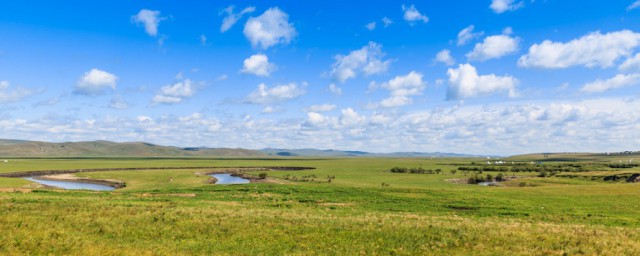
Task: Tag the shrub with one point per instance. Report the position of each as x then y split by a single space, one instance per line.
262 175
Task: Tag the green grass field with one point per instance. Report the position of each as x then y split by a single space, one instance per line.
175 212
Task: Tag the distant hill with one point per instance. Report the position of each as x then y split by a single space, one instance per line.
15 148
25 148
346 153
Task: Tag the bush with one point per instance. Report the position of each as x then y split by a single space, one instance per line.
500 177
262 175
476 179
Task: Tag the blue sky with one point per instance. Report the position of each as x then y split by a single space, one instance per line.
482 77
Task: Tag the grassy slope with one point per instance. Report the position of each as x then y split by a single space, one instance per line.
416 214
13 148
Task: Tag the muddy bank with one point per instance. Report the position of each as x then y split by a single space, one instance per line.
71 178
213 169
237 172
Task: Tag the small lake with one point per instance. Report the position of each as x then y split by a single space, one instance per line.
71 185
225 178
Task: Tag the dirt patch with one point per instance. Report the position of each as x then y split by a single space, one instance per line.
157 195
23 190
336 204
458 181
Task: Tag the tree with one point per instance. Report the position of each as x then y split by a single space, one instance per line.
454 171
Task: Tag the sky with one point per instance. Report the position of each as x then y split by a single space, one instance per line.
479 77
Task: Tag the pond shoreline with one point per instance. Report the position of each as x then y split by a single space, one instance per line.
71 178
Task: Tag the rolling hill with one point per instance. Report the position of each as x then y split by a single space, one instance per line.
15 148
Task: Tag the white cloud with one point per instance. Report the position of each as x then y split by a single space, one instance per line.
265 95
258 65
232 17
367 60
175 93
412 15
618 81
321 108
150 19
465 35
271 110
494 47
350 117
500 6
592 50
333 88
444 57
597 125
203 39
15 95
632 63
386 21
371 25
464 82
269 29
634 5
94 82
117 102
401 88
317 119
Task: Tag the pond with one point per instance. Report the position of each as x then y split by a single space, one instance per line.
71 185
225 178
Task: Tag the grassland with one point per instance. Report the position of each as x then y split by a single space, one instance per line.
174 212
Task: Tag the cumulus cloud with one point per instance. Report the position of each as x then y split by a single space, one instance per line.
595 125
592 50
351 117
412 15
150 19
402 88
464 82
367 60
175 93
333 88
618 81
494 47
500 6
386 21
371 25
231 18
317 119
266 95
632 63
465 35
258 65
15 95
269 29
321 108
94 82
444 57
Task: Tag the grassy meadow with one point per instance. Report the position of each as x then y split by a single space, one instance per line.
365 210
